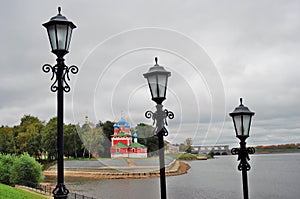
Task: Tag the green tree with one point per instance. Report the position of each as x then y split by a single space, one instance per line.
108 130
72 145
29 136
49 138
146 137
144 130
188 143
7 140
182 147
99 124
93 140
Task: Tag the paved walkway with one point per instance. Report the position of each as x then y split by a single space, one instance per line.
119 164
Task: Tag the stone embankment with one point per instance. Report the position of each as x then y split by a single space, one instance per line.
118 169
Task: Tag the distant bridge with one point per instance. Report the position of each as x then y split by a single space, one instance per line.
217 149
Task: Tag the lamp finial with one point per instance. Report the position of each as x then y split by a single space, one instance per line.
241 101
59 10
156 60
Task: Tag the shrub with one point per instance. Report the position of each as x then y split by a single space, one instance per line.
187 156
25 171
211 154
6 162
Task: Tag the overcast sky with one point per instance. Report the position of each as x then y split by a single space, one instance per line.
217 51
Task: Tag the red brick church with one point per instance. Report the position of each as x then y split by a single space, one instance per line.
125 145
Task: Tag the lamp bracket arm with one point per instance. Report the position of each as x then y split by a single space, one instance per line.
235 151
47 68
250 150
74 70
158 115
168 114
165 131
64 78
243 157
150 114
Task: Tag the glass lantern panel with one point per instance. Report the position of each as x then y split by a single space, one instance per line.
52 36
246 124
237 120
62 36
162 83
69 35
152 80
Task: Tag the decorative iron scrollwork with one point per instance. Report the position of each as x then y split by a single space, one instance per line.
243 156
60 189
162 115
47 68
168 114
74 70
165 132
64 78
251 150
245 165
150 114
235 151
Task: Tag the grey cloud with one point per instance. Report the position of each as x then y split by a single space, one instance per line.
254 46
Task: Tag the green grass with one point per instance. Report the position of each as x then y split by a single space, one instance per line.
186 156
7 192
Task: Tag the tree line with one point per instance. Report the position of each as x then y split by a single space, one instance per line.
39 138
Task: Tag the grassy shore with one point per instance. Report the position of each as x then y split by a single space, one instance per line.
7 192
281 148
188 156
269 151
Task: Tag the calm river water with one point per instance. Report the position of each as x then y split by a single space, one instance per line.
275 176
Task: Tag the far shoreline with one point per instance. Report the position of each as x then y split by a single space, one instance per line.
177 168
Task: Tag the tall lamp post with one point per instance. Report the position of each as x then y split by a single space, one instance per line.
60 32
157 78
241 117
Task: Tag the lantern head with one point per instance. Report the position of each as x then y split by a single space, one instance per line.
157 78
241 117
60 32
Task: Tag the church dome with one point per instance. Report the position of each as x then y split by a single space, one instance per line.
122 122
135 135
116 126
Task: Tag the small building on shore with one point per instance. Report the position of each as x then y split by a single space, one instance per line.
124 144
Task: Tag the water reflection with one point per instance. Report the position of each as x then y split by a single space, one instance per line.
271 176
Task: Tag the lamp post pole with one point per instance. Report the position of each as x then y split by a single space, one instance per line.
60 129
242 120
160 135
243 155
157 78
244 168
59 32
160 117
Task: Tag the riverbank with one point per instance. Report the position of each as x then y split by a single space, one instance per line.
132 170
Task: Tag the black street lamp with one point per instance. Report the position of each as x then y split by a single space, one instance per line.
157 78
241 117
60 32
